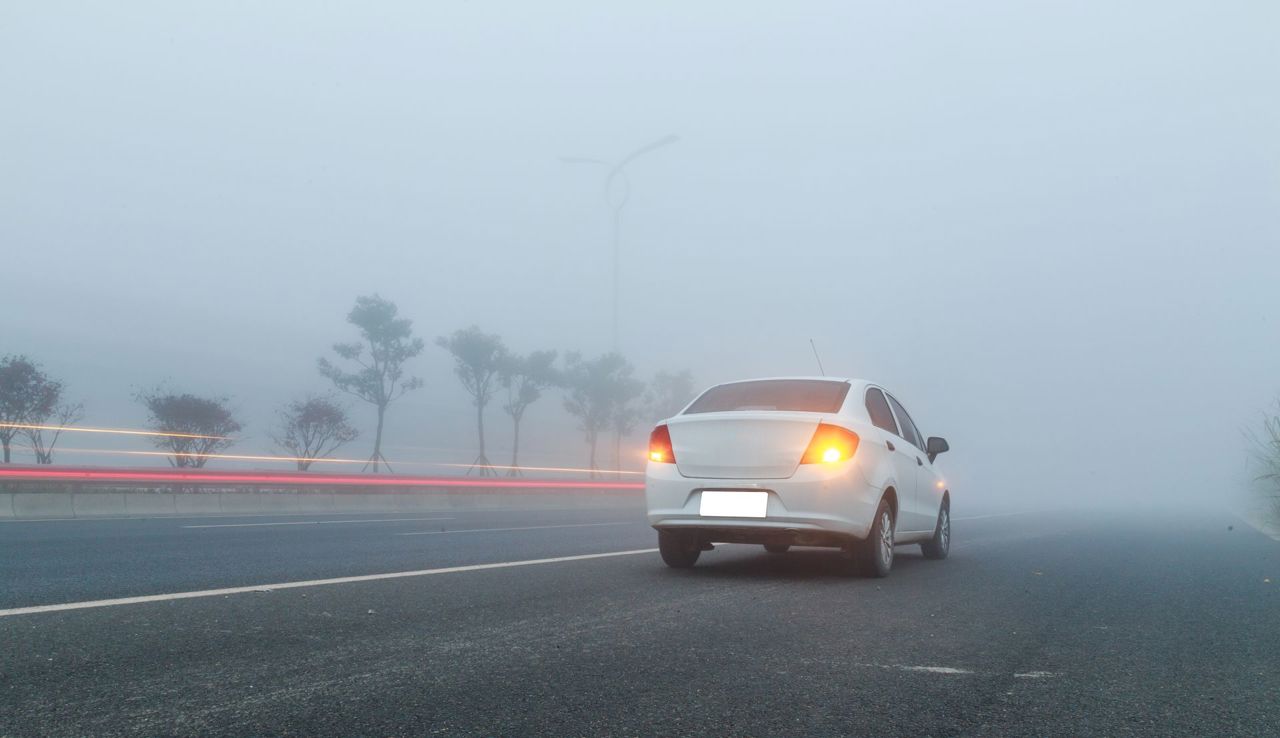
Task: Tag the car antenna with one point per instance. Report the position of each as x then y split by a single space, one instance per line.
819 358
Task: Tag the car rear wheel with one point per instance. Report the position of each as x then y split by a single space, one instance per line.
678 551
873 557
777 548
939 546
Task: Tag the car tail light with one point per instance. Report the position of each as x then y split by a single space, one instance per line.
831 444
660 449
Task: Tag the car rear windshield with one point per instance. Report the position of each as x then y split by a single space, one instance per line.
796 395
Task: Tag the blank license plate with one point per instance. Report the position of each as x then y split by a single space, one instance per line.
734 504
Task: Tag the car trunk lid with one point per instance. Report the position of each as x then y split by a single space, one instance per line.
741 444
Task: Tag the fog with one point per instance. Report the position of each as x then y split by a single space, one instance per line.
1051 230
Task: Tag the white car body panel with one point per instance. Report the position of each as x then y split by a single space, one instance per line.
809 504
741 445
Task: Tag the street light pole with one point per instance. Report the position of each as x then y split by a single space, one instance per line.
617 250
617 178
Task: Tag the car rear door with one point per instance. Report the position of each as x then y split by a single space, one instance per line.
917 514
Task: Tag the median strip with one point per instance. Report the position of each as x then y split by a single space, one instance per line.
309 583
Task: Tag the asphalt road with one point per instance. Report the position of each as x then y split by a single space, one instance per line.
1064 623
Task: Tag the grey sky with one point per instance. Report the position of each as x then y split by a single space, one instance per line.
1052 228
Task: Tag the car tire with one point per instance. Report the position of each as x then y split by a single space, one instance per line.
939 546
678 551
777 548
873 557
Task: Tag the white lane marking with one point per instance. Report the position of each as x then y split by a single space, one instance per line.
497 530
309 583
933 669
311 522
952 670
1001 515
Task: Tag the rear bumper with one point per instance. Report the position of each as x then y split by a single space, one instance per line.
817 506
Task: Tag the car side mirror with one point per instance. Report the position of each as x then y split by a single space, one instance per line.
935 446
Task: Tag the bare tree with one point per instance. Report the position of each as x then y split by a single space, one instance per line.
194 428
593 389
41 444
313 428
27 397
378 378
525 377
1266 454
478 358
667 395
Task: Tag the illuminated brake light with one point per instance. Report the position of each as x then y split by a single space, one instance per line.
660 450
831 444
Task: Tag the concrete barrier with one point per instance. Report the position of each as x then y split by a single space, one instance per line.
98 504
28 505
142 504
198 504
42 505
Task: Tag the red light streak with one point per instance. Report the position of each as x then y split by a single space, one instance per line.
289 479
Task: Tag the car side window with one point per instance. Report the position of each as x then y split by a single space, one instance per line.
878 409
909 430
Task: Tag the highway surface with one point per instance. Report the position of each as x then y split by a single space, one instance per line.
1096 622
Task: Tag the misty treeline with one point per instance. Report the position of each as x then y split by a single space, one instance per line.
602 393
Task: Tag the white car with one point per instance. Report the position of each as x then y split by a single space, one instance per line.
803 461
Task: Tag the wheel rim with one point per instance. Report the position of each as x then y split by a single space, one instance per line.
946 529
886 538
